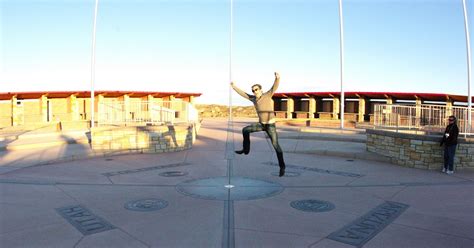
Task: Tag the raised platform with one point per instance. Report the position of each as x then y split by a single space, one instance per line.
418 150
144 139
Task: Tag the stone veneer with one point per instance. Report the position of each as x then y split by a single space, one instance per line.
418 151
144 139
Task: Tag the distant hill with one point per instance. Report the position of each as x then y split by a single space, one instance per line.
214 110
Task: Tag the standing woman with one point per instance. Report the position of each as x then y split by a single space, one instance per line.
450 141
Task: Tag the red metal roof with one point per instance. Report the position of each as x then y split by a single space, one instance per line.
378 95
85 94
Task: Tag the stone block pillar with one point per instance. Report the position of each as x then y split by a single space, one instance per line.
191 112
43 105
15 112
290 108
312 107
418 112
449 108
174 107
389 102
362 108
159 105
126 107
335 108
191 99
150 104
73 108
150 99
388 116
173 104
99 107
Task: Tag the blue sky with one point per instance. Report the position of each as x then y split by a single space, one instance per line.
177 45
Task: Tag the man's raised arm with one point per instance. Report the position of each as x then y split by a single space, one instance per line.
239 91
275 84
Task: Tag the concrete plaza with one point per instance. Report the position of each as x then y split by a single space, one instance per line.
335 194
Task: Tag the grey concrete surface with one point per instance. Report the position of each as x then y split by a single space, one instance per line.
36 182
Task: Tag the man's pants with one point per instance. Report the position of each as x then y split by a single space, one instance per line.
449 152
270 129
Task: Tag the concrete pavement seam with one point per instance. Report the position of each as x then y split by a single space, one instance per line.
43 144
336 139
228 232
68 158
13 181
355 179
432 231
59 222
343 155
139 240
285 233
67 194
317 242
372 195
79 241
95 154
296 145
397 193
110 180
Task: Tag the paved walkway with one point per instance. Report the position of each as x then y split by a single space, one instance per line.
198 198
23 149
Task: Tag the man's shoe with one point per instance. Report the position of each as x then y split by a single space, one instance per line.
282 172
444 170
449 172
242 151
281 163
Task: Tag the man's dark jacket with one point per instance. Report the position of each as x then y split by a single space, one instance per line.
453 131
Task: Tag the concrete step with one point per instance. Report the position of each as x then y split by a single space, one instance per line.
343 136
41 140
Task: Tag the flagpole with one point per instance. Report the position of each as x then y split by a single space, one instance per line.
229 155
93 63
230 57
468 48
341 49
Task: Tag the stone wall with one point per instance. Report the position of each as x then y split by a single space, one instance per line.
144 139
418 151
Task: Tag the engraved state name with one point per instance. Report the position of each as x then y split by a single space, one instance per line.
84 220
367 226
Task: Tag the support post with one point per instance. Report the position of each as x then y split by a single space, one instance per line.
335 108
290 108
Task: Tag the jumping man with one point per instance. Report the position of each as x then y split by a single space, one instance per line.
266 122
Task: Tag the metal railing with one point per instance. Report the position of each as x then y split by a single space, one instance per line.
146 113
425 118
112 113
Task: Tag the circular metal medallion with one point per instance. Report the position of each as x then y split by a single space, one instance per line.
219 188
145 205
173 174
312 205
287 174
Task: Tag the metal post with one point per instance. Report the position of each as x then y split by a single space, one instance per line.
397 115
466 123
230 57
93 64
468 48
341 31
409 120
